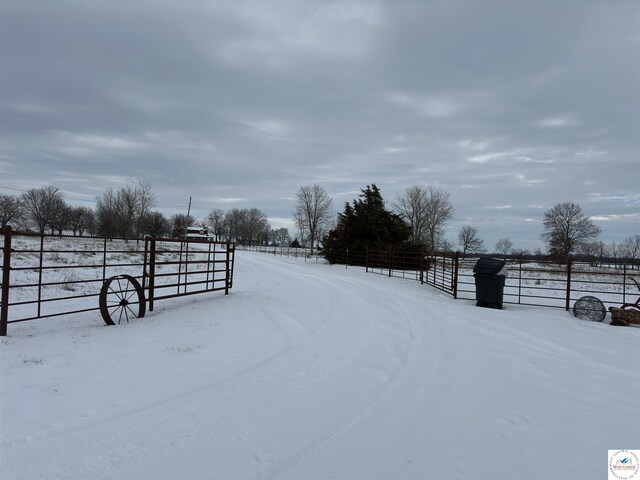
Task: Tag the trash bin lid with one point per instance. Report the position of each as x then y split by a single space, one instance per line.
490 266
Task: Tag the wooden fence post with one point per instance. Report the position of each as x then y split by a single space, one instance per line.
6 269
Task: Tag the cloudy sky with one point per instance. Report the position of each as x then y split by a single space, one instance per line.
510 106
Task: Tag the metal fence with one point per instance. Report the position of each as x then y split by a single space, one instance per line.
283 250
529 282
535 282
48 276
552 284
436 270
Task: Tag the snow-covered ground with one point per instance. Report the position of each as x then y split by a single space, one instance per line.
310 371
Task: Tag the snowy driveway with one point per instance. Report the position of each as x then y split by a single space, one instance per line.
310 371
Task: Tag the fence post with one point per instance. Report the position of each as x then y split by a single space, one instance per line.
233 262
6 269
152 272
434 266
104 260
227 276
520 283
40 273
209 264
366 259
145 274
456 258
568 300
624 284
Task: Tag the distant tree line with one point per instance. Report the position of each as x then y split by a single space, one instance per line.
416 220
128 213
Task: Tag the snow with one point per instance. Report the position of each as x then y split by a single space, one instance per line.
311 371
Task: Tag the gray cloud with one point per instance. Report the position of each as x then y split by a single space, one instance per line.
509 106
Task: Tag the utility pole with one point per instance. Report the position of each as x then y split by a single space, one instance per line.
183 244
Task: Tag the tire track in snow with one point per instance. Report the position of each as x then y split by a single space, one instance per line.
122 441
317 452
336 456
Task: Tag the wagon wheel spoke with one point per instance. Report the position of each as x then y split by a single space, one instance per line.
131 295
117 293
133 314
126 290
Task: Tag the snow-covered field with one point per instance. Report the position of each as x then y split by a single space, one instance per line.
310 371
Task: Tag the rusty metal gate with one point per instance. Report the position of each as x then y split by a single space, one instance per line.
48 276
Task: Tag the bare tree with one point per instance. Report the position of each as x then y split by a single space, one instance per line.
301 225
155 224
566 229
504 246
256 227
412 207
630 249
594 251
426 210
446 245
440 210
10 210
79 219
612 251
122 212
235 220
469 240
61 217
145 201
281 236
128 208
216 224
247 226
313 211
41 205
107 214
179 224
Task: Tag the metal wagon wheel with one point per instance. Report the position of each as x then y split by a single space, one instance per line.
121 298
589 308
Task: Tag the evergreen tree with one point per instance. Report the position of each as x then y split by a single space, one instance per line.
365 225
